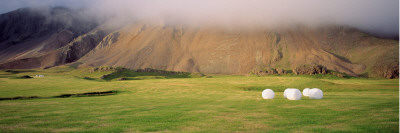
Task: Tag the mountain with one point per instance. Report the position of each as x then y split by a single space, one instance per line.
204 49
32 32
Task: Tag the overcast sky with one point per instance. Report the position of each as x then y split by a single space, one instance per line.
379 16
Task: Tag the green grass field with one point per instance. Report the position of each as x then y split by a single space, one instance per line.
148 102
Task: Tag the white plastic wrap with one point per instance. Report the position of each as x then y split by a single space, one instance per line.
285 92
315 93
293 94
268 94
306 91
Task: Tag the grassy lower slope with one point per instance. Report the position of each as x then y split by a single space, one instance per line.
218 104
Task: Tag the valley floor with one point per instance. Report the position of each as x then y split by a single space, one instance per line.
196 104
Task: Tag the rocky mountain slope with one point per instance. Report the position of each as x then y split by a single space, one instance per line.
203 49
30 32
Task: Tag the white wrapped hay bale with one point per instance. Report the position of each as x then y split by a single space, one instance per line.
268 94
305 92
315 93
286 90
293 94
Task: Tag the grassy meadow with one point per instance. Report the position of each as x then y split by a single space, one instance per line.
151 102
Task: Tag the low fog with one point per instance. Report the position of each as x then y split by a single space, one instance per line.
379 17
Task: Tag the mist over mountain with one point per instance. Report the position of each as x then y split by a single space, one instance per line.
377 17
29 32
223 41
38 22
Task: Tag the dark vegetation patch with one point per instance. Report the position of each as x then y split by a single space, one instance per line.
103 69
341 75
364 75
135 74
268 71
88 78
326 76
19 98
120 79
310 69
24 77
305 70
20 77
87 94
104 93
18 71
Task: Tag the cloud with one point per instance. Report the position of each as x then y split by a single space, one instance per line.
10 5
375 16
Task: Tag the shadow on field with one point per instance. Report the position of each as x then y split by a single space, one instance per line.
104 93
87 94
20 98
87 78
18 71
